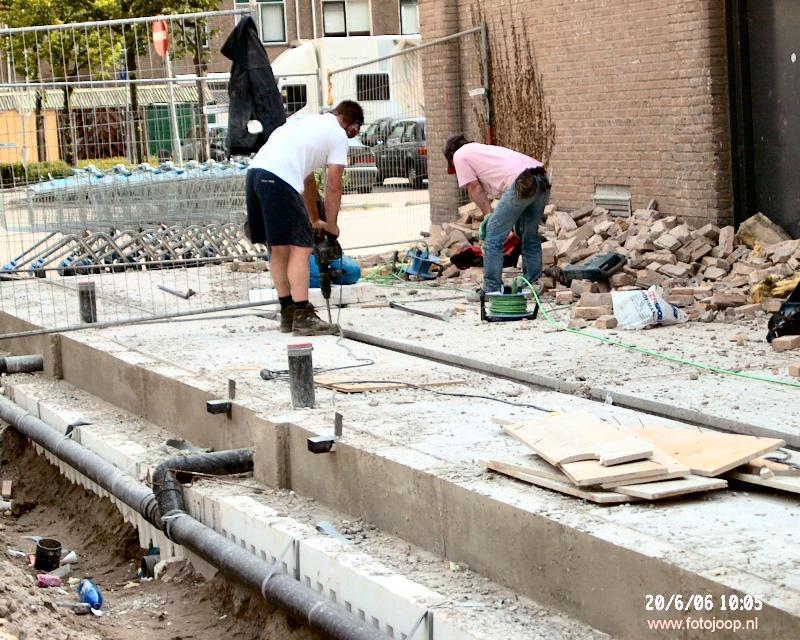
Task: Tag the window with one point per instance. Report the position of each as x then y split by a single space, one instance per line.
396 133
346 17
372 86
271 20
295 97
409 16
410 133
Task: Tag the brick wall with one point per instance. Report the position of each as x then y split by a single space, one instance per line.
637 90
443 103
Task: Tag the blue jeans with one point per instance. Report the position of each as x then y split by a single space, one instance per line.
511 208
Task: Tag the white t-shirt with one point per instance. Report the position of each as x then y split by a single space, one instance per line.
302 145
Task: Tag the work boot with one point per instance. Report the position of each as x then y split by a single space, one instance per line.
287 318
526 184
308 323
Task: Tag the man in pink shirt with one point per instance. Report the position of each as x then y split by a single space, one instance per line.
522 186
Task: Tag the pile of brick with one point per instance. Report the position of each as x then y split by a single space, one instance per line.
705 270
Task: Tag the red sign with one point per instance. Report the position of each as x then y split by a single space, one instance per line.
160 37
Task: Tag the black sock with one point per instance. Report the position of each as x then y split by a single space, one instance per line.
286 301
301 304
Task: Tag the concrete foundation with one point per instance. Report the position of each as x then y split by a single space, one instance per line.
410 461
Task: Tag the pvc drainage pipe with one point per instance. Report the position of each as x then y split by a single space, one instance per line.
279 589
21 364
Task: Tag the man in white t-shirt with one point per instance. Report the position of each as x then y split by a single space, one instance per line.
282 203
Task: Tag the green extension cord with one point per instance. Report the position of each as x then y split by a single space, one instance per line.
656 354
509 304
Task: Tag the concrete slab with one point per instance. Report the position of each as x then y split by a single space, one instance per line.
421 451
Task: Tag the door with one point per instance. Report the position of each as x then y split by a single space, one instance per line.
765 85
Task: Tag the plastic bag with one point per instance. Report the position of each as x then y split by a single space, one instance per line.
640 309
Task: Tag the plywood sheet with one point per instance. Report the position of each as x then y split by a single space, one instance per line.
707 453
782 483
562 438
599 496
671 488
590 472
351 384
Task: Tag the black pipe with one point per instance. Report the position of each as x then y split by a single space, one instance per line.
279 589
167 477
21 364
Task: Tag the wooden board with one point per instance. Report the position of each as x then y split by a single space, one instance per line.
590 472
782 483
671 488
707 453
562 438
599 496
672 471
351 384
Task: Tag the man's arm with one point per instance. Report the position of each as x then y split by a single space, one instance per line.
333 197
479 197
310 197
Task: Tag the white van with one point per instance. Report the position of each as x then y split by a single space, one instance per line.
389 88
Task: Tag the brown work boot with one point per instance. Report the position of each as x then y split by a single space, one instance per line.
308 323
287 318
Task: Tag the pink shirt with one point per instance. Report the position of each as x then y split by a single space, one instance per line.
496 168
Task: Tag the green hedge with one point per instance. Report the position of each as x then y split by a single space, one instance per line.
15 174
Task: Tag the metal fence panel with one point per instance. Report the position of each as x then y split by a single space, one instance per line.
387 200
113 170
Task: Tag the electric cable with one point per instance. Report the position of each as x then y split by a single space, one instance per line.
656 354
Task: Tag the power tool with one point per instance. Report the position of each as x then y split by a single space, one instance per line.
326 251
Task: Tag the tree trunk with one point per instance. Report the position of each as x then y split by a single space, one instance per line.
66 128
138 138
200 70
41 143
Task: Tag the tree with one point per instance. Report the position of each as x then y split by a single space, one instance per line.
191 37
188 38
59 55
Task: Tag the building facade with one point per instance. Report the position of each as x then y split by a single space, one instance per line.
636 92
282 22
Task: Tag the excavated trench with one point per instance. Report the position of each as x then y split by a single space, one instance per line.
181 605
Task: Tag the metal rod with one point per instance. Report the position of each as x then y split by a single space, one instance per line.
203 15
119 323
179 294
145 263
188 81
487 102
418 312
453 36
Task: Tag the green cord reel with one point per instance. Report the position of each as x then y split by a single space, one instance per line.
507 307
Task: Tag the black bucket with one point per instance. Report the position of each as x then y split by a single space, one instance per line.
48 554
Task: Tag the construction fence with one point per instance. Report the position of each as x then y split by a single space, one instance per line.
113 167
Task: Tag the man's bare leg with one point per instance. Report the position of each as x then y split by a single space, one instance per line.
298 272
279 267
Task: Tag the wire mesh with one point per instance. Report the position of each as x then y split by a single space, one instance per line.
387 199
113 170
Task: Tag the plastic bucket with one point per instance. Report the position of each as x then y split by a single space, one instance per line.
48 554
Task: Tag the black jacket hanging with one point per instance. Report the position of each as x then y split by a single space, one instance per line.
252 90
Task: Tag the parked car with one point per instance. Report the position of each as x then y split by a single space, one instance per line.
360 174
404 154
377 132
192 147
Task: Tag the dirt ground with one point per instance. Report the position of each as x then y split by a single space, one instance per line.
181 606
